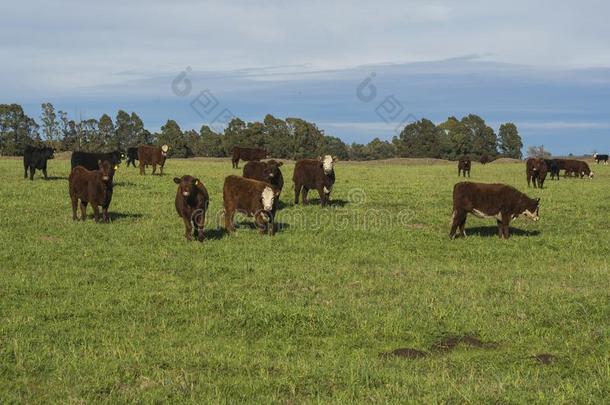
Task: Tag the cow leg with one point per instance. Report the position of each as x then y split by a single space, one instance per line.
74 204
83 210
468 173
96 212
229 225
304 192
462 225
44 171
141 168
322 196
154 168
32 171
188 228
105 214
505 223
160 170
297 191
458 219
25 169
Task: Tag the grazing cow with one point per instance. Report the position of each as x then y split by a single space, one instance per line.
89 160
247 154
36 158
600 158
490 200
192 202
464 166
314 174
553 168
152 155
536 171
577 168
265 171
132 155
251 197
485 159
91 187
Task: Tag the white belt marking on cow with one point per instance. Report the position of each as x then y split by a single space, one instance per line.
481 214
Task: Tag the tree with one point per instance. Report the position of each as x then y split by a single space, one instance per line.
484 140
172 135
277 137
307 139
538 152
106 133
124 135
17 129
456 139
419 139
378 149
50 124
509 141
210 143
335 147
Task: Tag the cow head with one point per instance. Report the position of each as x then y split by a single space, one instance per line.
532 209
164 150
48 153
272 169
106 169
187 185
268 199
328 163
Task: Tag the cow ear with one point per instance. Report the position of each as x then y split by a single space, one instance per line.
335 159
99 164
196 182
279 164
537 200
177 180
320 158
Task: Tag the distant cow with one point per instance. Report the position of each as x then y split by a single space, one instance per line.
464 166
36 158
89 160
553 168
265 171
152 155
192 202
484 159
132 155
91 187
247 154
536 171
600 158
490 200
314 174
251 197
577 168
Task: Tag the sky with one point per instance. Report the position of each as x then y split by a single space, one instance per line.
543 65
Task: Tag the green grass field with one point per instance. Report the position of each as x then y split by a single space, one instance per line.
130 311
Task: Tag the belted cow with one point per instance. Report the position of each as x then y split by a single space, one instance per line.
600 158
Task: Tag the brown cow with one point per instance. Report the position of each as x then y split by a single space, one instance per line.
536 171
485 159
251 197
314 174
464 166
577 168
152 155
247 154
265 171
490 200
192 202
91 187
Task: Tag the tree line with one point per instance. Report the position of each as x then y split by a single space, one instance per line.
290 138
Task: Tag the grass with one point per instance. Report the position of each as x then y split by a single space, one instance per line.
130 311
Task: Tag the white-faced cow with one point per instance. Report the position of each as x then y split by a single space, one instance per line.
250 197
152 155
314 174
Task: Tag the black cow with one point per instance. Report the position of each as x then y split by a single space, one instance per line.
464 165
600 158
132 156
90 160
36 158
553 168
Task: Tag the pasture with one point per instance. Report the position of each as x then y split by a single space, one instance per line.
130 311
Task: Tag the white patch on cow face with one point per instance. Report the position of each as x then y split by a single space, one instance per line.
531 215
591 175
327 164
185 193
268 197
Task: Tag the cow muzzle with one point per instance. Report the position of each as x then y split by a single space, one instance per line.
186 193
105 178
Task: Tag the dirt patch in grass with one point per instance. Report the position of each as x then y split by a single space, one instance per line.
451 342
544 358
405 352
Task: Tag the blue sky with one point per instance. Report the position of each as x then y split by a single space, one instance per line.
544 66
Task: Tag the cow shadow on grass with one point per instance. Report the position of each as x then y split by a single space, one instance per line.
245 224
53 178
315 202
489 231
120 216
124 184
214 234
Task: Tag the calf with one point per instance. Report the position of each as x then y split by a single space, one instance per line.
314 174
247 154
36 158
535 171
490 200
600 158
152 155
251 197
91 187
90 160
265 171
553 168
192 202
464 166
132 155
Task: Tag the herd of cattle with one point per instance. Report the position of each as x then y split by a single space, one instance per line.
256 193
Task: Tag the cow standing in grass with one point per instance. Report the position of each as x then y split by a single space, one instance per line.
152 155
536 171
600 158
247 154
577 168
464 165
265 171
553 168
91 187
192 202
36 158
132 156
250 197
314 174
490 201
